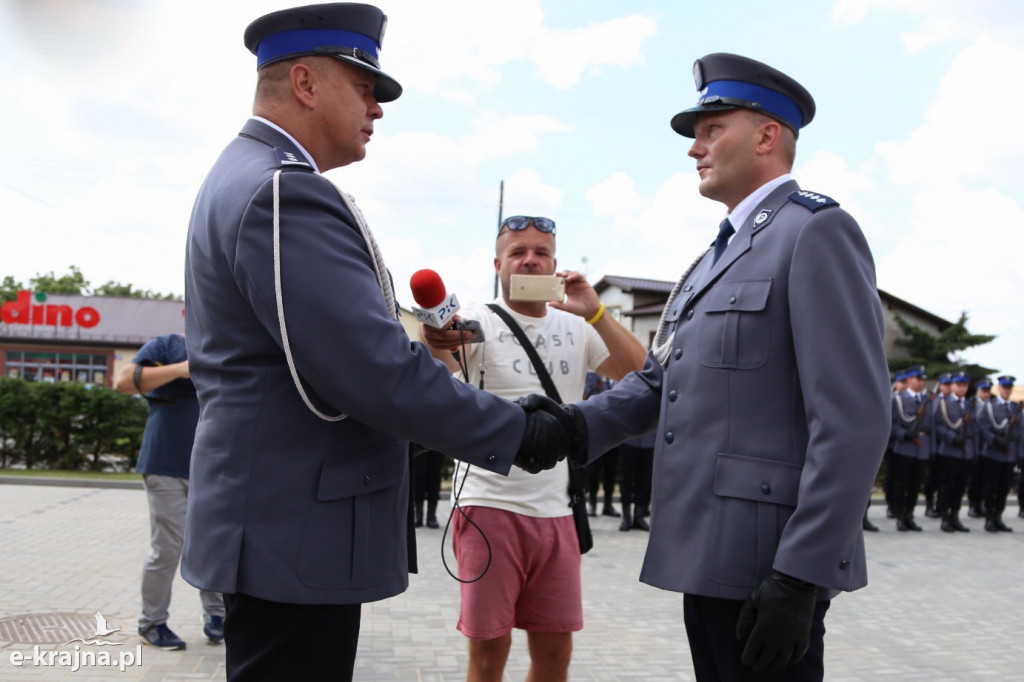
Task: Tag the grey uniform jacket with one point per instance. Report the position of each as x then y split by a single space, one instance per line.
996 422
773 411
950 414
285 506
911 434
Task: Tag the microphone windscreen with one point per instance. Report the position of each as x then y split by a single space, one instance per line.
427 288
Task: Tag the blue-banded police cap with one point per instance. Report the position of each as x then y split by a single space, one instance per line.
945 378
915 371
983 383
350 32
1006 380
729 81
961 378
900 376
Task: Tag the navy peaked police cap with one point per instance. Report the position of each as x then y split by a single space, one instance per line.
915 371
729 81
350 32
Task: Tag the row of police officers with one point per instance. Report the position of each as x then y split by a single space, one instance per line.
953 445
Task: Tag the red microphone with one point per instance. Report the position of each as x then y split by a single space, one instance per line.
437 306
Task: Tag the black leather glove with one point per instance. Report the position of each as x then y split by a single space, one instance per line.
546 439
959 439
577 425
776 622
911 432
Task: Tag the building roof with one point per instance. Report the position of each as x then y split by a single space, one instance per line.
637 284
940 323
634 284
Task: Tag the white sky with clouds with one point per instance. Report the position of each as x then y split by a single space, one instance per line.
114 110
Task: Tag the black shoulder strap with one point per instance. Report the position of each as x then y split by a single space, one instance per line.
542 373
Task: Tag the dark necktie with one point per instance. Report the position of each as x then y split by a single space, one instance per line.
725 230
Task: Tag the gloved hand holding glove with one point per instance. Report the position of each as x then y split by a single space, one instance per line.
776 622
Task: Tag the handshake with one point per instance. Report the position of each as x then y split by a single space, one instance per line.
553 432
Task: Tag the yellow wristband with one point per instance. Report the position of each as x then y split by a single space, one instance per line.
597 315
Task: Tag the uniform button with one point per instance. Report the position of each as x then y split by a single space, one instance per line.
689 314
672 395
491 459
766 488
678 354
687 287
844 564
669 437
732 299
366 480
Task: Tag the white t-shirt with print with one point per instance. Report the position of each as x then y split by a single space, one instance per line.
569 347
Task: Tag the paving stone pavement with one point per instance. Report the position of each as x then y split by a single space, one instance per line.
939 606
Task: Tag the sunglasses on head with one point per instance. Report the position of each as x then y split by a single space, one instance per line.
518 223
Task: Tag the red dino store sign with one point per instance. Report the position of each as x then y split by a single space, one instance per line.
23 311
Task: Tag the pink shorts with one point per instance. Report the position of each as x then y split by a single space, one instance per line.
533 581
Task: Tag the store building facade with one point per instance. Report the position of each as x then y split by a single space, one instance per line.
59 337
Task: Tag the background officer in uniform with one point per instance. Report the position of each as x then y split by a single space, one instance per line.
899 384
955 434
310 390
976 477
763 458
932 475
1000 426
910 447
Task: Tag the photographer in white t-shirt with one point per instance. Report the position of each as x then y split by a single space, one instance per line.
516 534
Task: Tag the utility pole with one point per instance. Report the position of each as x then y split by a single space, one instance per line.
501 208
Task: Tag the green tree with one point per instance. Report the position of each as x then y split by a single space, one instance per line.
74 282
942 353
9 289
113 288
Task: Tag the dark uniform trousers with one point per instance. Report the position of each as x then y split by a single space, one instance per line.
637 466
907 473
268 641
954 472
711 629
998 481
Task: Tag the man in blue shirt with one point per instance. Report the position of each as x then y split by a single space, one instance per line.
160 373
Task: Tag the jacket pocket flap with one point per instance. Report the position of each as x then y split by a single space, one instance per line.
351 474
740 295
757 480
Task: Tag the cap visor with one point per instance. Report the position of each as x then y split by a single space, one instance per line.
684 121
385 89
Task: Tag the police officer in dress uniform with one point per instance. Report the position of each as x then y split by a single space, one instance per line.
910 430
899 384
763 461
999 422
956 434
931 478
309 388
976 479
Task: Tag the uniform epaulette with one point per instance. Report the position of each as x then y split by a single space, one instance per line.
289 160
812 201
